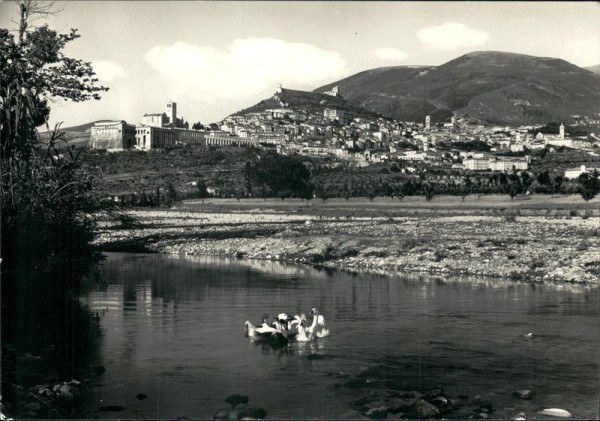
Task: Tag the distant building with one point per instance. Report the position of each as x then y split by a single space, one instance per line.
166 119
505 164
561 131
568 143
344 117
334 92
498 163
150 137
476 164
576 172
427 122
112 135
154 120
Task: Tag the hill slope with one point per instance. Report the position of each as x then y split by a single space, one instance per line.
490 86
309 102
595 69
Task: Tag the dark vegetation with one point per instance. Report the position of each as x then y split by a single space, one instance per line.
46 210
162 177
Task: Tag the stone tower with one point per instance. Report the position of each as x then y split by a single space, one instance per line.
171 113
561 131
427 122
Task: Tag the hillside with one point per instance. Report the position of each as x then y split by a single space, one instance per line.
595 69
489 86
308 102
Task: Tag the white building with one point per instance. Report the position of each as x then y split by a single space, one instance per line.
412 156
576 172
476 164
112 135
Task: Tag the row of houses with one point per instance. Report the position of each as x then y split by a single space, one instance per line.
498 163
119 135
157 130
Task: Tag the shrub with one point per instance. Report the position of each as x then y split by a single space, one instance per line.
583 245
440 255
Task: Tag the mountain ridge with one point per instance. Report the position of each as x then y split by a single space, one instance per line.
488 86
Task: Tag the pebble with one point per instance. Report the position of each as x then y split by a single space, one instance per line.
556 412
32 406
523 394
377 413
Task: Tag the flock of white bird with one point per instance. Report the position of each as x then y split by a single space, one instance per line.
286 327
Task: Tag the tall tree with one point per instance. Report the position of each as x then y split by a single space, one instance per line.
202 190
45 203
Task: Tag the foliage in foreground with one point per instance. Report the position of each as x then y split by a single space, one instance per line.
46 206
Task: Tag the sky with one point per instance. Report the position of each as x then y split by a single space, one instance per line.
215 58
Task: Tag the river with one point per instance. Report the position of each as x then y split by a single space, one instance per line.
172 329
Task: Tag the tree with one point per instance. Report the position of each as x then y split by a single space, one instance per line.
429 192
279 175
48 209
557 184
544 178
202 190
172 195
589 185
43 186
197 126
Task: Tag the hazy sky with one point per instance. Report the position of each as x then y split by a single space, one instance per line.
214 58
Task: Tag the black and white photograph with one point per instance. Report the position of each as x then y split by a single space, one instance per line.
299 210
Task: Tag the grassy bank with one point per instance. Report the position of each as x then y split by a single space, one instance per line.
555 240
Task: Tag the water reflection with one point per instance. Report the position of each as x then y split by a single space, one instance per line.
173 330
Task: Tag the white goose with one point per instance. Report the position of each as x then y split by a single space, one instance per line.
302 336
263 330
317 328
294 324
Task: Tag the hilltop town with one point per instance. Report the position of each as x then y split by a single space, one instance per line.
328 130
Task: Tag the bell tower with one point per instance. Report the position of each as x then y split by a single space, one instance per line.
171 113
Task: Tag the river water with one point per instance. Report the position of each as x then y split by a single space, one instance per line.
172 329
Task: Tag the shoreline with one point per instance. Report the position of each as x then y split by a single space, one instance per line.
525 248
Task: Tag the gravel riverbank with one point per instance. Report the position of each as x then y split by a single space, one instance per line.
533 248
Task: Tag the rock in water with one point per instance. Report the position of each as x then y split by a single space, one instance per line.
252 412
556 412
377 413
98 370
425 409
141 396
111 408
226 414
439 401
33 406
523 394
235 399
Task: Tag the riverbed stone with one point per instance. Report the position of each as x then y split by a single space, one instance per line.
439 401
523 394
235 400
556 412
377 412
226 414
424 409
252 412
32 406
99 370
